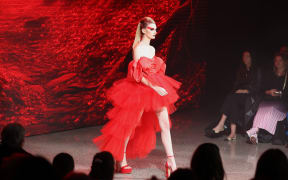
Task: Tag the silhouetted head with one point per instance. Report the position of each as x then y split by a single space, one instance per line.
76 176
272 165
12 135
63 163
206 162
153 178
102 166
22 166
183 174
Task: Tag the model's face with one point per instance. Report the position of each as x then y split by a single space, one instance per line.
278 62
150 31
247 60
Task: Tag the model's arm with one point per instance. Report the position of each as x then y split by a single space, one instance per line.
161 91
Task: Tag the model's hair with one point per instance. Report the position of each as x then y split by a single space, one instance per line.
144 22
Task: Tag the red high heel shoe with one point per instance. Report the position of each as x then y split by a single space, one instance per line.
168 168
123 169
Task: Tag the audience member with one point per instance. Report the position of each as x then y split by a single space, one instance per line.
153 178
21 166
242 99
12 140
76 176
102 166
272 165
273 107
183 174
63 163
206 163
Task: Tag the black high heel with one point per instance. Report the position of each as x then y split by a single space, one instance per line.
215 134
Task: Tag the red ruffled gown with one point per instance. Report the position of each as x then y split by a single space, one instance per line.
130 97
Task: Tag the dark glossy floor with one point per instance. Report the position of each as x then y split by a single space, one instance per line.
239 158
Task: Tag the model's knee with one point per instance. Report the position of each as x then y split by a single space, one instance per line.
165 125
162 110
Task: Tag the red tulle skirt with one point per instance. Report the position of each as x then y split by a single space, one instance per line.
134 116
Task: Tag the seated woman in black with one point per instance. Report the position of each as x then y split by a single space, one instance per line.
273 107
246 86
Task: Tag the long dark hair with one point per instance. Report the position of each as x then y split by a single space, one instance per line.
242 72
253 61
206 162
272 164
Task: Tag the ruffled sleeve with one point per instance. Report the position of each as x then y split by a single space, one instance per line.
162 64
135 71
162 69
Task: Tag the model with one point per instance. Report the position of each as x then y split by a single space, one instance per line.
142 103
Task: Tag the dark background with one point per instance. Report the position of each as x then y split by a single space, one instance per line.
235 26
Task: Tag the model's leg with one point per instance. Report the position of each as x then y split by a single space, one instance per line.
124 161
164 123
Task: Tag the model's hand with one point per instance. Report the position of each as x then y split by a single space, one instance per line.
242 91
161 91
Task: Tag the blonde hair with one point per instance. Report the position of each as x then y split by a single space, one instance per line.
142 24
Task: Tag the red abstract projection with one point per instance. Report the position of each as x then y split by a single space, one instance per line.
58 57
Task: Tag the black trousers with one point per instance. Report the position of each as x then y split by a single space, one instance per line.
234 108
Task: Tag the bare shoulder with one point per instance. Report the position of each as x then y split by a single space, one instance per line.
137 52
137 48
152 49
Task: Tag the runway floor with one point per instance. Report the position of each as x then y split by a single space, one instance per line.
239 158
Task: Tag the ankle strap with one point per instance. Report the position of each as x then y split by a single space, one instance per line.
170 156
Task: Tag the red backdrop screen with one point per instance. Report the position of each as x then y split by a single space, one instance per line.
57 59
